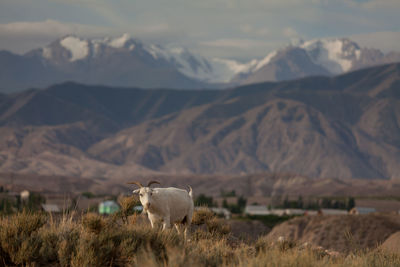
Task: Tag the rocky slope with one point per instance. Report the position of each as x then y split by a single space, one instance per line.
343 233
342 127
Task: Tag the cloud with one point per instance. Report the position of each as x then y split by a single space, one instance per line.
386 41
249 29
19 37
154 28
290 32
48 28
233 28
377 4
235 43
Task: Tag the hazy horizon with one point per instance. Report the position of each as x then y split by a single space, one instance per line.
223 28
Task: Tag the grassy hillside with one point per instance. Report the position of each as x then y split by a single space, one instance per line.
90 240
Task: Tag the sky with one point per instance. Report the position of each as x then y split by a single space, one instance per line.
236 29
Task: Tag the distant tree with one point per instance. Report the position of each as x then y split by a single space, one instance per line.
34 202
351 203
88 194
6 206
286 202
228 194
236 208
300 203
203 200
225 203
326 203
241 202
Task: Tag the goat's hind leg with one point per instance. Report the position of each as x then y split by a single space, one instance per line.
166 223
178 228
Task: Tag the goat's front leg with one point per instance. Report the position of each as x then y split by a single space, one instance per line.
153 219
151 223
166 222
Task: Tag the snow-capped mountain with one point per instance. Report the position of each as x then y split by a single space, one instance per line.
126 61
192 66
331 56
122 61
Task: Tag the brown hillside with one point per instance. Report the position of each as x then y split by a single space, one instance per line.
342 127
255 185
339 232
392 244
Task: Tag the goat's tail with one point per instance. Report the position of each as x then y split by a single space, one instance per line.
190 191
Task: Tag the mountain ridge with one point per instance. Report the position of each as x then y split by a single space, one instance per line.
128 62
340 127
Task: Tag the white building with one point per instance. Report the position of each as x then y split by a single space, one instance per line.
362 210
222 211
334 212
256 210
50 208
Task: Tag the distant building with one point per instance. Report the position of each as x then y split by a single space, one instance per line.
138 208
108 207
362 210
51 208
64 201
222 211
278 212
219 201
333 212
381 205
256 210
312 212
85 204
294 211
24 195
258 200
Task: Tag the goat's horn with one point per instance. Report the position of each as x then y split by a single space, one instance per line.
136 183
152 182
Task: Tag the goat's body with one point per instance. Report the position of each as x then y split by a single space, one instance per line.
171 206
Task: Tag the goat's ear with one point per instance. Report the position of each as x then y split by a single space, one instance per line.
136 191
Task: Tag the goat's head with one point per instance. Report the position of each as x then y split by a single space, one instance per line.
145 193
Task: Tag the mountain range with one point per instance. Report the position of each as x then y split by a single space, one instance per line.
128 62
347 126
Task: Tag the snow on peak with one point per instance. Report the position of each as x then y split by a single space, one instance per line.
265 60
78 48
46 52
336 55
121 41
191 65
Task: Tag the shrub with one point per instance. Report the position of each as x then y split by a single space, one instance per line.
93 223
17 236
202 215
27 240
127 204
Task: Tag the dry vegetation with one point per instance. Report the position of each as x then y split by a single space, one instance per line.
343 233
91 240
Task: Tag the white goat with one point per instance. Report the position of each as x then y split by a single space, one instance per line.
170 205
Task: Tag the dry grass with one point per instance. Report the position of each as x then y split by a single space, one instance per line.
91 240
344 233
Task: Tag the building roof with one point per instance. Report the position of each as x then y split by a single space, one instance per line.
220 210
109 203
334 212
364 210
50 208
256 210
